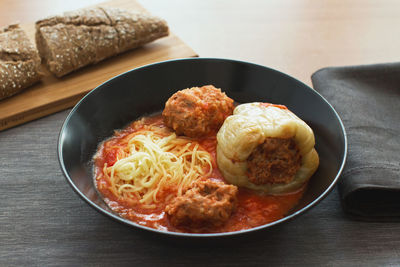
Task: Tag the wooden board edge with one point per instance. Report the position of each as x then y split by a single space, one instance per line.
38 112
49 108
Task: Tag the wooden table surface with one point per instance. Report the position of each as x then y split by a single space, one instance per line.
44 223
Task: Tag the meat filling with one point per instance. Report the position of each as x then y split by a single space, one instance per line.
197 111
207 203
277 160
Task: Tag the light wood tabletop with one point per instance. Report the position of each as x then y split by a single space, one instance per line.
294 36
44 223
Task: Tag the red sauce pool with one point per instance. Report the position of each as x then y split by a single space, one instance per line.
254 209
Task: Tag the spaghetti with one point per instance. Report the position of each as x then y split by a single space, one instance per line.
253 209
155 163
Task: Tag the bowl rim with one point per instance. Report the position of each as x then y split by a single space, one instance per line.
198 235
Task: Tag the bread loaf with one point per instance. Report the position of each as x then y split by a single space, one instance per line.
19 61
87 36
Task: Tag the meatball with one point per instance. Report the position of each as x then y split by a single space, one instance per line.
197 111
277 160
207 203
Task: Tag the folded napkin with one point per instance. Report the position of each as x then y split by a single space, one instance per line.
367 98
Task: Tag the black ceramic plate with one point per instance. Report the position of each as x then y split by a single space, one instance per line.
144 90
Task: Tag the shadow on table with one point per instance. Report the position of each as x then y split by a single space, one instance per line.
149 247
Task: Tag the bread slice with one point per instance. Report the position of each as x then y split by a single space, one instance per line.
19 61
87 36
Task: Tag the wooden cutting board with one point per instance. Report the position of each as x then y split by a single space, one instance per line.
55 94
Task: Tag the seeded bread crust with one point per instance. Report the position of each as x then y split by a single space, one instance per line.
86 36
19 61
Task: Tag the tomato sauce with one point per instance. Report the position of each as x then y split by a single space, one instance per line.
254 208
273 105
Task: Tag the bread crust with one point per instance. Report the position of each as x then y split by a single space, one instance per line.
19 61
86 36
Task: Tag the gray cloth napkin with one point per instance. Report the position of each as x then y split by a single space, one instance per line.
367 98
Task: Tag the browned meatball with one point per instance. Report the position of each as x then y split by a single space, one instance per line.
277 160
197 111
207 203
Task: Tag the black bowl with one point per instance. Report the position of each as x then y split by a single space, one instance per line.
144 90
